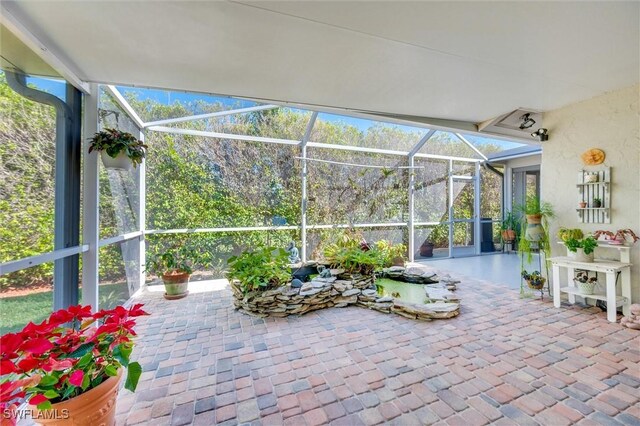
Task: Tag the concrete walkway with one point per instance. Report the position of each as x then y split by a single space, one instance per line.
504 360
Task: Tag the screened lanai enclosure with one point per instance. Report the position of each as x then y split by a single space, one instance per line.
223 175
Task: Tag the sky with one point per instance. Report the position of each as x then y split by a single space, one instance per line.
57 88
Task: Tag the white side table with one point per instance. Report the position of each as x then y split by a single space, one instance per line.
609 267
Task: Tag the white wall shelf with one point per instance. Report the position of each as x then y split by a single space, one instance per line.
589 191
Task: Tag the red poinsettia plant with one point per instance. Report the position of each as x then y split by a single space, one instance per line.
70 353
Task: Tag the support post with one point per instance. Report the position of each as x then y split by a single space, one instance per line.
450 207
412 180
67 183
142 218
91 203
303 205
477 217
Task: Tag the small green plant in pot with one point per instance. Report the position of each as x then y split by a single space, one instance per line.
597 203
118 150
175 267
508 227
582 250
261 269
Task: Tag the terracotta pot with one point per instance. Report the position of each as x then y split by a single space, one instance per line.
534 219
120 162
582 204
508 235
96 407
176 285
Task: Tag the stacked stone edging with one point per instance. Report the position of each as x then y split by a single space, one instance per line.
335 292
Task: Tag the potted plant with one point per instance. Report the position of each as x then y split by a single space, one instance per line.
581 250
583 204
597 203
621 236
534 280
69 367
537 215
508 227
175 267
585 284
426 248
118 150
565 234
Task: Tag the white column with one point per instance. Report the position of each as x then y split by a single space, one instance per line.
303 203
450 207
90 200
477 223
412 181
142 218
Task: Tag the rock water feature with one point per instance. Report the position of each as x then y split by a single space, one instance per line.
340 290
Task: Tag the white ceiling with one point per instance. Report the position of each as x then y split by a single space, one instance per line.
468 61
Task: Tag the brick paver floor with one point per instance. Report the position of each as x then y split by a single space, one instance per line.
504 360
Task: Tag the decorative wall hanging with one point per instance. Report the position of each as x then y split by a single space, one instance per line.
593 157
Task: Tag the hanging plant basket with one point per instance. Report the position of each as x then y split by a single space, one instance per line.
537 283
120 162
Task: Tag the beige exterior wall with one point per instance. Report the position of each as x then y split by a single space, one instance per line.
609 122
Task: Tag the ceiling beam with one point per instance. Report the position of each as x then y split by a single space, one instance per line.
128 109
476 150
421 143
210 115
41 49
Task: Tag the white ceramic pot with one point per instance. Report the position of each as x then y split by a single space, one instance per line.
121 162
579 256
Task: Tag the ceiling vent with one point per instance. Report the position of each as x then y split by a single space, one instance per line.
520 123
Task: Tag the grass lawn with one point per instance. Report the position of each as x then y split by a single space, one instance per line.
16 312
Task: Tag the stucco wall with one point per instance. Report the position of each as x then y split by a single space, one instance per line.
609 122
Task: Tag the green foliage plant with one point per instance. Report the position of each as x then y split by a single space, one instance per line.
355 260
587 245
388 251
567 233
113 142
533 206
510 222
260 269
175 261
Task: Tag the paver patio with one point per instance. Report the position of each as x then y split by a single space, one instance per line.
504 360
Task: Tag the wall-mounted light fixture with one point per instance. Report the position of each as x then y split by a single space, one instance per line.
527 121
541 134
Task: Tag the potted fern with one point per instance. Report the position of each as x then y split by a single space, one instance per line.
118 150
